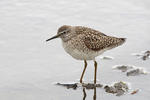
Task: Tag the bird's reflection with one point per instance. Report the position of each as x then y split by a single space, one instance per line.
84 94
94 96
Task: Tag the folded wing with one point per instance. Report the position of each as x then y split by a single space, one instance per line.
97 42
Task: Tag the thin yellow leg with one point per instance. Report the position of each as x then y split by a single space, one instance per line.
95 65
83 71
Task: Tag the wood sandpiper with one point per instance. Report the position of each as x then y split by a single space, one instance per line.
84 43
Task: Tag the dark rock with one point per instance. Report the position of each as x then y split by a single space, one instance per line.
91 85
144 55
118 88
136 72
110 89
123 68
121 85
73 86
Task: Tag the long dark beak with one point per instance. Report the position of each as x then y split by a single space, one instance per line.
54 37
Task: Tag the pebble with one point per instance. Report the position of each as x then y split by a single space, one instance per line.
135 72
118 88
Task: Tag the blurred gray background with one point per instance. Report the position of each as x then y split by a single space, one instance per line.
29 67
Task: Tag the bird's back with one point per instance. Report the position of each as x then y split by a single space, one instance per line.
96 40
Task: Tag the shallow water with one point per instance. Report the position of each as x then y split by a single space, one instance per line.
30 67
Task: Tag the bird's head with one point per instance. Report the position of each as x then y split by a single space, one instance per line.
64 32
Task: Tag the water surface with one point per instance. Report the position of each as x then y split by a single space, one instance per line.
30 67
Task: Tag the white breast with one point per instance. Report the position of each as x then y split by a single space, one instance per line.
80 53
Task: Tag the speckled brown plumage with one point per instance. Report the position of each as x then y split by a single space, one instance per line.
96 40
85 43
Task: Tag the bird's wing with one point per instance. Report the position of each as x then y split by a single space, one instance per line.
98 42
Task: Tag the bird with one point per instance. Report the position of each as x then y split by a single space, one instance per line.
84 43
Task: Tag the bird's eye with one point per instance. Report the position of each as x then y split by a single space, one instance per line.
64 32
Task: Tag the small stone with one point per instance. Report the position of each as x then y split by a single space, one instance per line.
121 85
110 89
118 88
123 68
136 72
91 85
99 85
143 55
73 86
146 56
